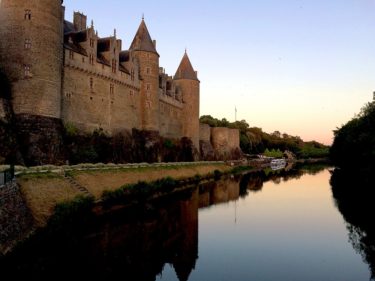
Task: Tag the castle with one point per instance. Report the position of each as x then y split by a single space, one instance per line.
61 70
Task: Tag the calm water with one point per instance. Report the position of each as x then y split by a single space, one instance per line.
281 230
262 226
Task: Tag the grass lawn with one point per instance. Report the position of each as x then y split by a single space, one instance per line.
43 191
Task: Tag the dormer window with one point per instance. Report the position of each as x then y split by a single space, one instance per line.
92 43
27 44
27 14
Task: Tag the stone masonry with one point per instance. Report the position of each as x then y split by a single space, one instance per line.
65 71
16 221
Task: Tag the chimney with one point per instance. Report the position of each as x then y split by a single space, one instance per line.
154 42
79 21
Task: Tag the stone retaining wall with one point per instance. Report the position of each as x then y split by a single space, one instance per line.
16 222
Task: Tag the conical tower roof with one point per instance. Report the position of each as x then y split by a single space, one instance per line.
142 40
186 70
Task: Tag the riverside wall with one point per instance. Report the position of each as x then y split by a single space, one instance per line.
16 221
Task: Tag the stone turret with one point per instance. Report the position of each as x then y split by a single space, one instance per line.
144 50
186 79
31 54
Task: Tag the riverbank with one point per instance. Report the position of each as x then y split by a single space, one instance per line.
45 189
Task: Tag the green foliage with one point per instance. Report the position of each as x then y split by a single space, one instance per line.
138 192
70 129
217 174
69 213
313 150
354 142
273 153
168 144
240 169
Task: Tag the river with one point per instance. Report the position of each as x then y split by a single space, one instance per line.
285 225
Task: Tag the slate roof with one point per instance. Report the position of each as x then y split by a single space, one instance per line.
142 40
185 70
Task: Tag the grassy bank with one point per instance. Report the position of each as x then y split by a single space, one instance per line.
44 191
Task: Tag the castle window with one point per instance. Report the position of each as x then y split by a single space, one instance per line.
114 66
27 70
131 93
27 14
91 83
92 43
27 44
148 70
148 104
83 59
132 74
111 89
71 55
92 59
148 87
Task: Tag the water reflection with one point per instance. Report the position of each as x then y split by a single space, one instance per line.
353 194
137 243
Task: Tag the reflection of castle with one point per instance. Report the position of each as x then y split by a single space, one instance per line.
139 245
219 192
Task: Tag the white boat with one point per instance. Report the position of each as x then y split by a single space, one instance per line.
277 164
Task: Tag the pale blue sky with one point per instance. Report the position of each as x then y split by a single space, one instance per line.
303 67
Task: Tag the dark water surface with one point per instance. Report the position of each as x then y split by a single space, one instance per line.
264 226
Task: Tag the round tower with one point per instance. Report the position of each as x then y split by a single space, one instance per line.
31 54
144 49
186 79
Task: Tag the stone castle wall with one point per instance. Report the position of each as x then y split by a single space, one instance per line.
225 138
170 119
94 97
31 54
204 132
219 143
226 143
16 221
149 73
190 90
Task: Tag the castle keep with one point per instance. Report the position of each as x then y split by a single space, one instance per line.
61 70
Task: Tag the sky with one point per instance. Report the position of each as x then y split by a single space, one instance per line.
302 67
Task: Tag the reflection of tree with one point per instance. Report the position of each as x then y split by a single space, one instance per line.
254 181
354 199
